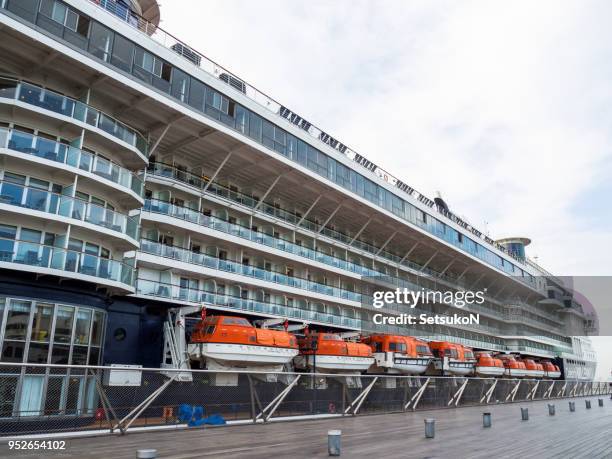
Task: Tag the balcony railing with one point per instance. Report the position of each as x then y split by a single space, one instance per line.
218 190
175 292
58 103
187 256
193 216
46 256
41 147
67 206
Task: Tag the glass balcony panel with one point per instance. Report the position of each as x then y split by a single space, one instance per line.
57 103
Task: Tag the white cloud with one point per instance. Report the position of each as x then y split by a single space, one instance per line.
505 107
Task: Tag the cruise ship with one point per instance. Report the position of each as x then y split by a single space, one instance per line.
143 185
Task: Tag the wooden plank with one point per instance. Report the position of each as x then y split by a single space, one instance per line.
459 433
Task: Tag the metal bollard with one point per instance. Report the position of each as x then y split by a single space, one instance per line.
600 401
588 404
486 419
146 454
333 442
430 428
572 406
525 414
551 409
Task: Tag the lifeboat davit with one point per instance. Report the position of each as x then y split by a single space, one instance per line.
399 354
533 369
551 370
228 342
454 359
512 368
329 353
488 366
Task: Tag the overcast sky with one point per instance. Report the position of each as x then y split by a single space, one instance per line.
504 107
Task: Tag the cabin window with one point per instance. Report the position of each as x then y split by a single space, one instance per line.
378 346
210 330
469 355
422 350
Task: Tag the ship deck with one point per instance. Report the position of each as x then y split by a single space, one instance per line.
459 433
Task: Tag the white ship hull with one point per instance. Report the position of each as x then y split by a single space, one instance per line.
490 371
334 363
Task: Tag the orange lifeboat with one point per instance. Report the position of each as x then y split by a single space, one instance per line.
532 369
228 342
550 370
513 368
330 353
488 366
454 359
399 354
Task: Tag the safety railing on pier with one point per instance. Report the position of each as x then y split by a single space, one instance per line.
43 399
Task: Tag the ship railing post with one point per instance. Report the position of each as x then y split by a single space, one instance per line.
513 392
273 405
457 395
489 392
106 405
356 404
145 404
414 401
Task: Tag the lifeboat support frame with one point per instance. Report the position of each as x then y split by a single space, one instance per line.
457 395
513 392
548 392
273 405
358 401
417 396
533 390
561 392
489 392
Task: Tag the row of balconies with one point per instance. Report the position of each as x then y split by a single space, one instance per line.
62 262
298 311
79 161
15 198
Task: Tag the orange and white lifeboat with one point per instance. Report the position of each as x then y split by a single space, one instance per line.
488 366
453 359
328 352
551 370
399 354
533 369
228 342
512 368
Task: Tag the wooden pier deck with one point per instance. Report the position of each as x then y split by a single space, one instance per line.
459 433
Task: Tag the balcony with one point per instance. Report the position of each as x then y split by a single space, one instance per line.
187 256
45 259
14 195
217 224
219 191
46 99
80 160
171 292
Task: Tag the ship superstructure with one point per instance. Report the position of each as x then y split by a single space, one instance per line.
139 177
